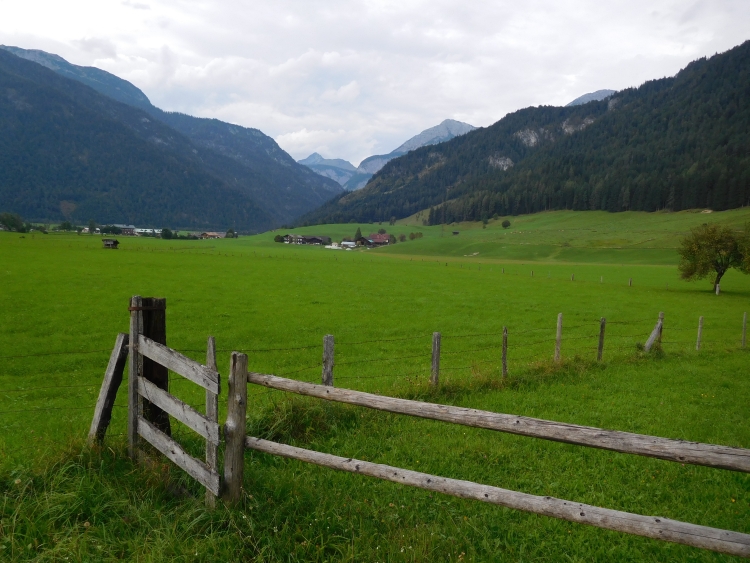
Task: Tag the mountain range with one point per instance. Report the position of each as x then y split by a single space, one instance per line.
352 178
671 144
79 143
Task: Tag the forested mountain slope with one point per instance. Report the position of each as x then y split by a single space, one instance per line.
674 143
68 152
283 188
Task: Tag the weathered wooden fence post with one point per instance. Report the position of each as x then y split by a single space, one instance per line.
532 273
327 376
630 282
505 351
718 290
134 372
155 327
212 413
744 328
600 351
435 373
700 333
235 428
572 277
655 334
661 325
558 339
108 391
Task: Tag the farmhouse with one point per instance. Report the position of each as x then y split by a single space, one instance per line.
307 239
378 239
128 230
212 235
110 243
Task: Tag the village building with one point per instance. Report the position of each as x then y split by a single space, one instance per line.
110 243
148 232
307 239
378 239
128 230
212 235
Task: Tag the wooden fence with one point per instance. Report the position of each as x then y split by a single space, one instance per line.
150 405
723 457
149 402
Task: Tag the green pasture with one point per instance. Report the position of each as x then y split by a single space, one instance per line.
64 299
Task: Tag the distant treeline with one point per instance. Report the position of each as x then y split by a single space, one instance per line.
674 143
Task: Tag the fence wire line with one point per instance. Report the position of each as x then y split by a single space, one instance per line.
48 387
56 354
48 409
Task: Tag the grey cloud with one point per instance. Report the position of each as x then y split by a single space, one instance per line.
97 46
357 77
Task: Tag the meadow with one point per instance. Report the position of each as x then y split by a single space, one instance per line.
64 299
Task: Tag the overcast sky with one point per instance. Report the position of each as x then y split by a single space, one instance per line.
353 78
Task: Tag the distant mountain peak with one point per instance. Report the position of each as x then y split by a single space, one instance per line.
314 158
445 131
591 97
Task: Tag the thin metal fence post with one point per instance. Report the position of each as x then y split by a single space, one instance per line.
435 372
505 351
558 339
600 350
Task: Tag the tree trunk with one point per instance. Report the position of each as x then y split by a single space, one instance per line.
719 275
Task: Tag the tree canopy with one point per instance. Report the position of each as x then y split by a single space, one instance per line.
710 249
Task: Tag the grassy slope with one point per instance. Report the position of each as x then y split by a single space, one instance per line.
63 293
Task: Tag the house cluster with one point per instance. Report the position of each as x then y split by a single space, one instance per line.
375 239
306 239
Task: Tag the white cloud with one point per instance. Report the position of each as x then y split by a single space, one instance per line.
352 78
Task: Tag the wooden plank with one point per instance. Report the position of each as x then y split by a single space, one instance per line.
435 370
212 414
700 333
723 541
723 457
135 365
190 369
108 392
600 349
558 338
166 445
235 429
155 328
327 375
181 411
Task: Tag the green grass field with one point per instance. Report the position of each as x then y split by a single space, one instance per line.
64 299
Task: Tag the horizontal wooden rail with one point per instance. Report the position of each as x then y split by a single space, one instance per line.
723 541
166 445
723 457
192 370
181 411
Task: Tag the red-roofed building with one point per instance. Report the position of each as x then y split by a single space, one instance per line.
378 239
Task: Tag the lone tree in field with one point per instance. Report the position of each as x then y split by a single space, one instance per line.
713 248
358 234
505 224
